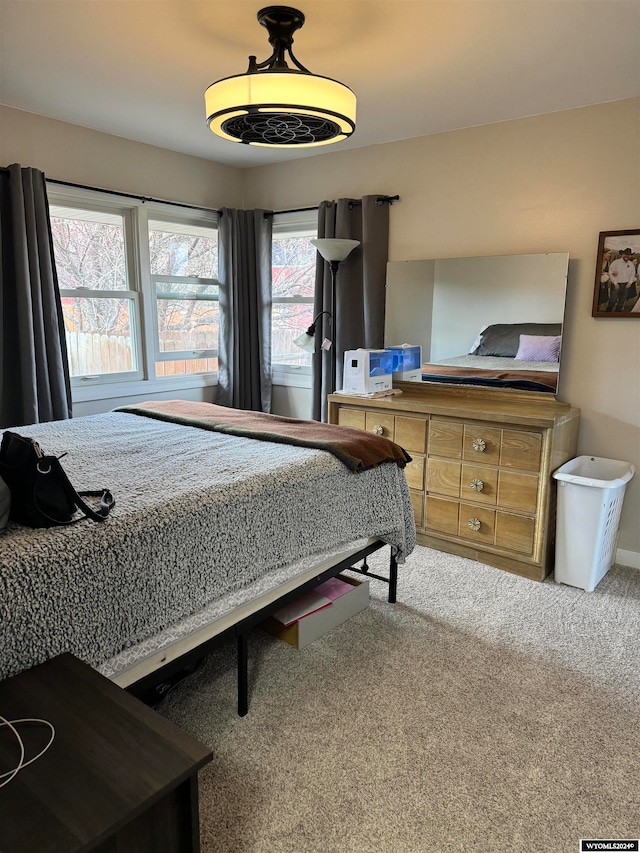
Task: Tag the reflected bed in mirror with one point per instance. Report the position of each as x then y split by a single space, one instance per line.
491 321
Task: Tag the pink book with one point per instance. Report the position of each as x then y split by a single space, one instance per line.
305 605
334 588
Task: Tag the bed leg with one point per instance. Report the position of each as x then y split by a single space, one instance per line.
393 578
243 676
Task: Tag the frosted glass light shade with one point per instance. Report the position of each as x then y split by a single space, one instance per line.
334 249
306 342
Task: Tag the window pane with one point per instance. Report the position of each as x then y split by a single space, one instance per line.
89 248
167 289
187 324
289 321
293 266
98 332
183 366
188 250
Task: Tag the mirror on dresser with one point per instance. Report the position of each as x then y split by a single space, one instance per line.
444 305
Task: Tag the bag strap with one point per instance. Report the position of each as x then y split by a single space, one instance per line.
107 501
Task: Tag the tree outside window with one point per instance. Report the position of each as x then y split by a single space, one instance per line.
96 250
293 284
98 305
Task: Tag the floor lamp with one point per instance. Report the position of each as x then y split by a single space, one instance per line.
333 250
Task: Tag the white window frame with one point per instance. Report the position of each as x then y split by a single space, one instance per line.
142 292
132 293
299 224
212 352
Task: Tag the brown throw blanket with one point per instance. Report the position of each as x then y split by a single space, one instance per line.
357 449
541 377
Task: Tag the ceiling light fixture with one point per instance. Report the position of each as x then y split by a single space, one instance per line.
276 106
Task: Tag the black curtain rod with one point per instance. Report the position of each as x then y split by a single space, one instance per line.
380 200
141 198
389 199
295 210
354 203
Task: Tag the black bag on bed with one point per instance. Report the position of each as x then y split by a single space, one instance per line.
41 494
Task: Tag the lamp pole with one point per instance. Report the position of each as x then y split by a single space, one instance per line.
333 267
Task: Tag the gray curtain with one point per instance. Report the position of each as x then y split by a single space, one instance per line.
34 371
360 286
244 271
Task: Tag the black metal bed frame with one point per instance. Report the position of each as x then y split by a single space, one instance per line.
241 629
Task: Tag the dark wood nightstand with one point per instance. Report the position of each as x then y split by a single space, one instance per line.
118 778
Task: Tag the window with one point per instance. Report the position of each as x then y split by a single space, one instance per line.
100 307
139 288
293 276
140 291
184 274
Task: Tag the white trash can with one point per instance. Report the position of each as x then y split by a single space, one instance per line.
590 495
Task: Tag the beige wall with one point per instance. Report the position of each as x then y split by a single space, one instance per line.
543 184
549 183
66 152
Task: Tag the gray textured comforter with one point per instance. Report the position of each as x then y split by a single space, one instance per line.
198 514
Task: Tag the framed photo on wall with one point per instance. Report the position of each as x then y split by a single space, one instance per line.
617 286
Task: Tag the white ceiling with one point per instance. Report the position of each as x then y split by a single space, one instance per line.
139 68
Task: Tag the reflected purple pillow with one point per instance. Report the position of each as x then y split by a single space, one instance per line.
539 348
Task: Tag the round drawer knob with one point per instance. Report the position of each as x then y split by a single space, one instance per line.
477 485
479 444
378 429
473 524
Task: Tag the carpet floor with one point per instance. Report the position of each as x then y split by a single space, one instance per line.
483 713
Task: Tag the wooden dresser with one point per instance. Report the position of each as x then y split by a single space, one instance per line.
480 478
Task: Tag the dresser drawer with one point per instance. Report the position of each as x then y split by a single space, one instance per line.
481 524
482 484
441 515
445 438
477 523
417 502
521 450
508 448
351 418
515 532
411 433
517 491
479 484
443 477
380 423
407 431
464 441
414 472
481 443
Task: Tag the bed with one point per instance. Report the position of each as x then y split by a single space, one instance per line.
525 356
209 531
488 370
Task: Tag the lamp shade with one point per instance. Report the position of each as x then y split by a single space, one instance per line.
306 342
282 109
334 249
